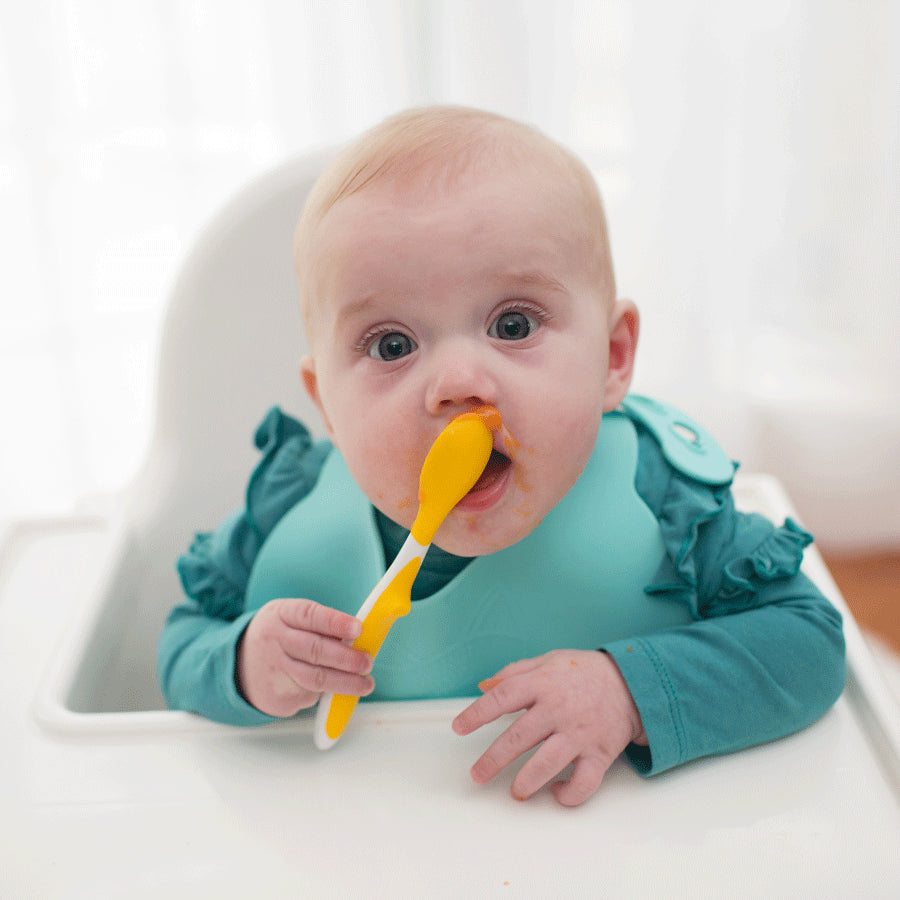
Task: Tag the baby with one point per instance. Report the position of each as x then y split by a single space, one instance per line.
597 578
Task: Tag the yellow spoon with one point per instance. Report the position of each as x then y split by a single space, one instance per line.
453 465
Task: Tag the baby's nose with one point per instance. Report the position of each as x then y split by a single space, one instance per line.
460 379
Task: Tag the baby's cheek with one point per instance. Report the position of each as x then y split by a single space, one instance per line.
561 470
392 488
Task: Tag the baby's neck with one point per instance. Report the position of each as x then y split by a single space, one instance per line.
439 567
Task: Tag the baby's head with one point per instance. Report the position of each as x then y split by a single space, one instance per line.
453 258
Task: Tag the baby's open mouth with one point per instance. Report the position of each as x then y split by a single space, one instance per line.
497 464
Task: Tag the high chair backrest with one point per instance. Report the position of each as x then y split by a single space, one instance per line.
231 344
230 349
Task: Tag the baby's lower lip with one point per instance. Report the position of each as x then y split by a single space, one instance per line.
490 486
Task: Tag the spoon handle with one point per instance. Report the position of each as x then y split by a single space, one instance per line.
389 600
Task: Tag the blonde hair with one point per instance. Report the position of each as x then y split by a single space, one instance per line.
438 144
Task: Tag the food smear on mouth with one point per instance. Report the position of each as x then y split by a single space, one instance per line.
490 415
511 445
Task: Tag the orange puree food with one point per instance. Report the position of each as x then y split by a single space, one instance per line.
490 415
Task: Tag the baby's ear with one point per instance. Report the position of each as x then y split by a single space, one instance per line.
311 384
624 327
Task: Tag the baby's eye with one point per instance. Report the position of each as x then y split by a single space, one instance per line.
513 325
391 346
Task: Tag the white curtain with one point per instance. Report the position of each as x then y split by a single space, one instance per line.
748 154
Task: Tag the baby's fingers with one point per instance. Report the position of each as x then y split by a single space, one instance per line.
326 653
523 734
586 778
320 680
506 696
519 667
553 756
306 615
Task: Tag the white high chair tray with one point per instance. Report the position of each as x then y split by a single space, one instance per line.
161 804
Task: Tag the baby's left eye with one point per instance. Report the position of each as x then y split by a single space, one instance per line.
513 325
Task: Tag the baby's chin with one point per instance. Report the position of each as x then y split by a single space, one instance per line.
467 536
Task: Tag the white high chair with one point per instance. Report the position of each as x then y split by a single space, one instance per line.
108 794
231 346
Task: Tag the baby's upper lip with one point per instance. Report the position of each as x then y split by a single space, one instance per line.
501 443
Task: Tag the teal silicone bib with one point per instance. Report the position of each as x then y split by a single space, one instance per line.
577 581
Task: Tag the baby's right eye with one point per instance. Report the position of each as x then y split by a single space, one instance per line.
392 345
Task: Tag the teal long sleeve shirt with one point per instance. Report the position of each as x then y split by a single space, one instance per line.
763 656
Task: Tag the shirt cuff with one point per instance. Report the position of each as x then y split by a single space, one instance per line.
657 704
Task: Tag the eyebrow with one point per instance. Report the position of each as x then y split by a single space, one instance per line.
355 307
534 279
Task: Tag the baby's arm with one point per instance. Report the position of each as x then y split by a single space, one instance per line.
577 707
260 665
205 634
293 651
729 682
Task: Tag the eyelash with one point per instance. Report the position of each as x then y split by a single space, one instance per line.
539 314
371 336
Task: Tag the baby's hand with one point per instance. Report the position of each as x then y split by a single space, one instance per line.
293 651
577 706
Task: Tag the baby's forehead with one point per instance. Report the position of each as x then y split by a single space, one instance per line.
429 165
439 152
441 182
407 202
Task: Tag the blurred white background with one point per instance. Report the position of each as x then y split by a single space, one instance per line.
749 155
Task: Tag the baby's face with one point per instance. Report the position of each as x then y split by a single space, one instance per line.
428 302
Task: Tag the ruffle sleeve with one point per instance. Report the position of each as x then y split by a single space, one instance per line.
778 557
289 468
212 571
765 654
717 559
215 570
